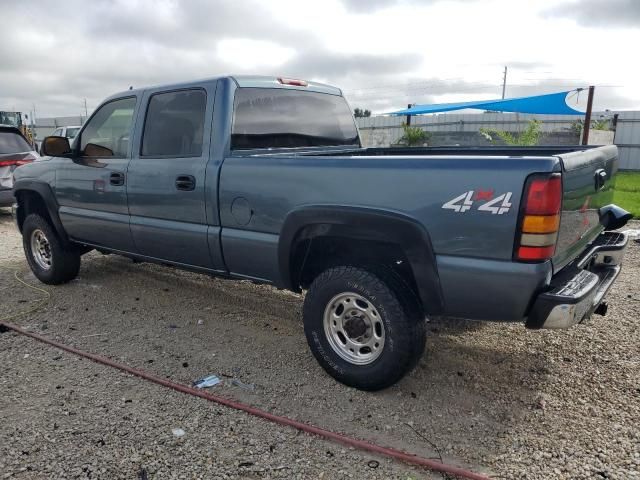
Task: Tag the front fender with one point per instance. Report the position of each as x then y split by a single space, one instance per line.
45 192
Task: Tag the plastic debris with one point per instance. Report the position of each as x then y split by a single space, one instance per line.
245 386
206 382
633 232
178 432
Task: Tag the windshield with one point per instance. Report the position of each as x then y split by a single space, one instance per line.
282 118
11 118
72 132
11 142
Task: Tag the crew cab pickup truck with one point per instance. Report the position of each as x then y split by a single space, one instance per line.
265 179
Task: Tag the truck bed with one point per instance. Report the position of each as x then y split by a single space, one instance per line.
509 151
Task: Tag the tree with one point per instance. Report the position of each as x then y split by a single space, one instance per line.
530 136
360 113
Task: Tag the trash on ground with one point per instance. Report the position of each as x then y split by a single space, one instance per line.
245 386
205 382
178 432
200 322
633 232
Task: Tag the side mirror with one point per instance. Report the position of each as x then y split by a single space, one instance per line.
55 146
613 217
93 150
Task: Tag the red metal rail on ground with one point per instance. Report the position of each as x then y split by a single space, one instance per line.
305 427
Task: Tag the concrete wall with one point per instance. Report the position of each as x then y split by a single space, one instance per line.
383 137
463 129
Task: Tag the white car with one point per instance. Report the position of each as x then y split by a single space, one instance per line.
70 132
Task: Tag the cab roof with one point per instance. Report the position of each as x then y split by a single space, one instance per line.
242 81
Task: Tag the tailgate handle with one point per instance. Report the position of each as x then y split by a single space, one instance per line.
600 179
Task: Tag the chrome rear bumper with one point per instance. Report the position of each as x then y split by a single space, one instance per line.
577 291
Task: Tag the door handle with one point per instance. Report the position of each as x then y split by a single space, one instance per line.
116 178
186 182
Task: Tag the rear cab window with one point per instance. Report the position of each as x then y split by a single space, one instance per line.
174 124
13 142
284 118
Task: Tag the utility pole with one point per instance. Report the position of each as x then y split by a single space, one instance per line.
587 116
409 116
85 109
504 81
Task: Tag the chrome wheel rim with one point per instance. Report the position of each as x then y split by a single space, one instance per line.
354 328
41 249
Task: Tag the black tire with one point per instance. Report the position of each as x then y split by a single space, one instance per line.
402 319
64 261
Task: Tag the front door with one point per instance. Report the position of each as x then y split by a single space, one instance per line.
91 188
166 177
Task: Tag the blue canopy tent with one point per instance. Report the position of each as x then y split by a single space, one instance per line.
552 103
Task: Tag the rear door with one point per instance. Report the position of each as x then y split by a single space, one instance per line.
166 188
588 184
91 189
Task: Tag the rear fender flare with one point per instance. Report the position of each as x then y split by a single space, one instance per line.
364 224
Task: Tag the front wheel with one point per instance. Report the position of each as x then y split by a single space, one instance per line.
50 261
361 326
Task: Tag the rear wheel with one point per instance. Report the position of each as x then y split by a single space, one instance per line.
50 261
362 327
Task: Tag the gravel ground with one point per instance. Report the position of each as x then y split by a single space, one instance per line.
493 397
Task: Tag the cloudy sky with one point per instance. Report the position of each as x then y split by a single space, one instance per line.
383 53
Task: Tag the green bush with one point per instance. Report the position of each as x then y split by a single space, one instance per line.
414 136
530 136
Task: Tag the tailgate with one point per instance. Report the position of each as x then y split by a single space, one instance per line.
588 182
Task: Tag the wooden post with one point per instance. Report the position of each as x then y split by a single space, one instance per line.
587 117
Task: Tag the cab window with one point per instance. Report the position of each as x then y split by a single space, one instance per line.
174 125
108 132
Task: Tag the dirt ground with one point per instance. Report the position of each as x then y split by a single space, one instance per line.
493 397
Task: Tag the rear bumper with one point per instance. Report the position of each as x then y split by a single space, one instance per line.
577 291
6 197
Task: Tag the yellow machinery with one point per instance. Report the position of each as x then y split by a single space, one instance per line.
14 119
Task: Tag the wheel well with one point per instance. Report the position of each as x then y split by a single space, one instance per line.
30 202
314 255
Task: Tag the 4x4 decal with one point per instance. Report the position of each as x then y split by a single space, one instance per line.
496 206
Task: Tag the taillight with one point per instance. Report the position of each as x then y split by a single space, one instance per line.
20 160
292 81
9 163
540 218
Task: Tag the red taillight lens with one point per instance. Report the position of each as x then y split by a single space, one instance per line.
540 218
544 196
292 81
18 160
536 253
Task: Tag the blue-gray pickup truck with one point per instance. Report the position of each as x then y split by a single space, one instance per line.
265 179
